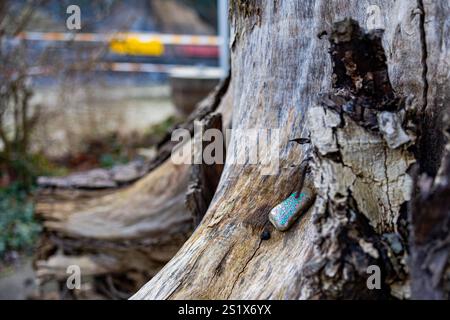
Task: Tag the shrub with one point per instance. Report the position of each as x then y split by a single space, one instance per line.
18 228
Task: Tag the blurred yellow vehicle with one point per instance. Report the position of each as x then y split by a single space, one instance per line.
137 46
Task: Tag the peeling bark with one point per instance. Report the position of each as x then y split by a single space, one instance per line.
362 181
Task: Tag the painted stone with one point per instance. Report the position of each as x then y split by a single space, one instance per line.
288 211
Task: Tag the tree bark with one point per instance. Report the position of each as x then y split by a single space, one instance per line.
429 213
430 237
279 67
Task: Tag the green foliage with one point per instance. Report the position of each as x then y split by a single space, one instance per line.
42 166
25 168
111 151
18 229
109 160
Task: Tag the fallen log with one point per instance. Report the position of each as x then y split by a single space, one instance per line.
120 226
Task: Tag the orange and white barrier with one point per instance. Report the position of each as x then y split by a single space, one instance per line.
133 67
167 39
180 70
136 67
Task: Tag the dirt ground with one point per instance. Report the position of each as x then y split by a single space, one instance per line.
17 282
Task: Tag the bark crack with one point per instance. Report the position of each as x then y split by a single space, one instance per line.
388 197
243 269
424 49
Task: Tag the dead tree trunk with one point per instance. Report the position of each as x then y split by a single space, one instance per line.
363 146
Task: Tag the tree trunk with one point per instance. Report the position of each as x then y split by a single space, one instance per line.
430 237
361 166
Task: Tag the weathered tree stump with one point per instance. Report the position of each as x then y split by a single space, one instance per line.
279 68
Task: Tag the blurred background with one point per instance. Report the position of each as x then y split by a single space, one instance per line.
74 100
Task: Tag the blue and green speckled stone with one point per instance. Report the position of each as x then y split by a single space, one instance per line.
285 214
